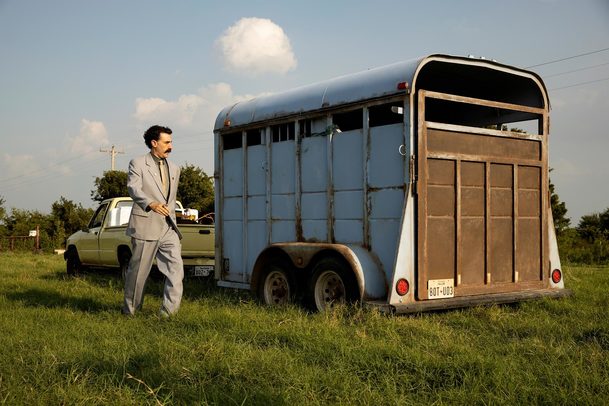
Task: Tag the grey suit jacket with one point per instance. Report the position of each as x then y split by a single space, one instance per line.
145 186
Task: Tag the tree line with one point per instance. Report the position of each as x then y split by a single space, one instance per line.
586 243
195 190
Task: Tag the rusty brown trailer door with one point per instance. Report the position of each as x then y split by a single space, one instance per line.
480 222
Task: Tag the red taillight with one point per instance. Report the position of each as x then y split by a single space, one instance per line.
402 287
556 275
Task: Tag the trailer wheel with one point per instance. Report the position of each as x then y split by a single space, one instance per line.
123 260
277 286
73 264
332 282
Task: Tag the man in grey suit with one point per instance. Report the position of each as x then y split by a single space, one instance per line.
153 184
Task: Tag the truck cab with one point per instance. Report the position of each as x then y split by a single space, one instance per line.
103 243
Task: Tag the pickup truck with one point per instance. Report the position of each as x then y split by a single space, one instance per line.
103 243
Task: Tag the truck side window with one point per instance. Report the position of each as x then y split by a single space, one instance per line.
98 218
119 216
125 204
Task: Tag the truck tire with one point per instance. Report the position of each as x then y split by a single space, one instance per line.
332 282
73 264
123 259
276 286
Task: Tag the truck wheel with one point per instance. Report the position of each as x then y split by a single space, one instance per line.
277 286
332 282
123 259
73 264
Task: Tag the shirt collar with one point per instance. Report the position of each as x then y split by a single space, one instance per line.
156 158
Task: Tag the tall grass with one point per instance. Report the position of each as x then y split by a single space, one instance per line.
64 341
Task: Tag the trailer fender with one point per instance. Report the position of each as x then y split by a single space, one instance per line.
364 264
367 264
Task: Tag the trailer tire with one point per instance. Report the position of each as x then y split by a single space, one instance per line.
73 264
277 286
332 282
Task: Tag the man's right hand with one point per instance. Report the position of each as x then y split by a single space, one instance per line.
159 208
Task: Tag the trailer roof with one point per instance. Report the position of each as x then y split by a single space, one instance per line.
377 83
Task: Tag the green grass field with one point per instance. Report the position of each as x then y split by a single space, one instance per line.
64 341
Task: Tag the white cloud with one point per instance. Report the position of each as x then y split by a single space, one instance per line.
195 112
91 137
159 110
192 118
256 45
17 165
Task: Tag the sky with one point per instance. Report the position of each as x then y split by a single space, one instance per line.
77 77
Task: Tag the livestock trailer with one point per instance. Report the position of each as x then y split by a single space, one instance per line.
416 186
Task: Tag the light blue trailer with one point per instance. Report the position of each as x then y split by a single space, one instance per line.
403 186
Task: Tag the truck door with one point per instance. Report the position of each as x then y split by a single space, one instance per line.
481 221
113 234
88 248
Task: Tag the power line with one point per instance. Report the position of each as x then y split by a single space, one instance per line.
46 177
580 84
44 169
43 174
576 70
567 58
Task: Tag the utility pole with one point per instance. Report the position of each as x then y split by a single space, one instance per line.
113 153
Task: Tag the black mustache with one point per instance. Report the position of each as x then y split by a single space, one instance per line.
169 150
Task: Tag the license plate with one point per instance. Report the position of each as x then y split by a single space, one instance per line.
440 288
203 270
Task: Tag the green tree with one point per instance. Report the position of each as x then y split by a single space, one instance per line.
66 217
71 217
20 222
594 227
196 189
2 215
559 212
2 210
593 238
111 184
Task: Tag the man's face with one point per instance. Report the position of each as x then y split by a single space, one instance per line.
162 147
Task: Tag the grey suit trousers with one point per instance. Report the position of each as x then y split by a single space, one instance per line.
167 252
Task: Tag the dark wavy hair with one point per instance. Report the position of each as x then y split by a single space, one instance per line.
153 133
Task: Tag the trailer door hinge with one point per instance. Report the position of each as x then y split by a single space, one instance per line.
413 178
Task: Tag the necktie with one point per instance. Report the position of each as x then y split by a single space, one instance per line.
163 176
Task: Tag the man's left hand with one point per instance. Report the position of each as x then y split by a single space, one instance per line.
159 208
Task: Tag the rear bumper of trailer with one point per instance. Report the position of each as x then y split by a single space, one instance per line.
469 301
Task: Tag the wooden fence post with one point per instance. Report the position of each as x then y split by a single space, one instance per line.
38 238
